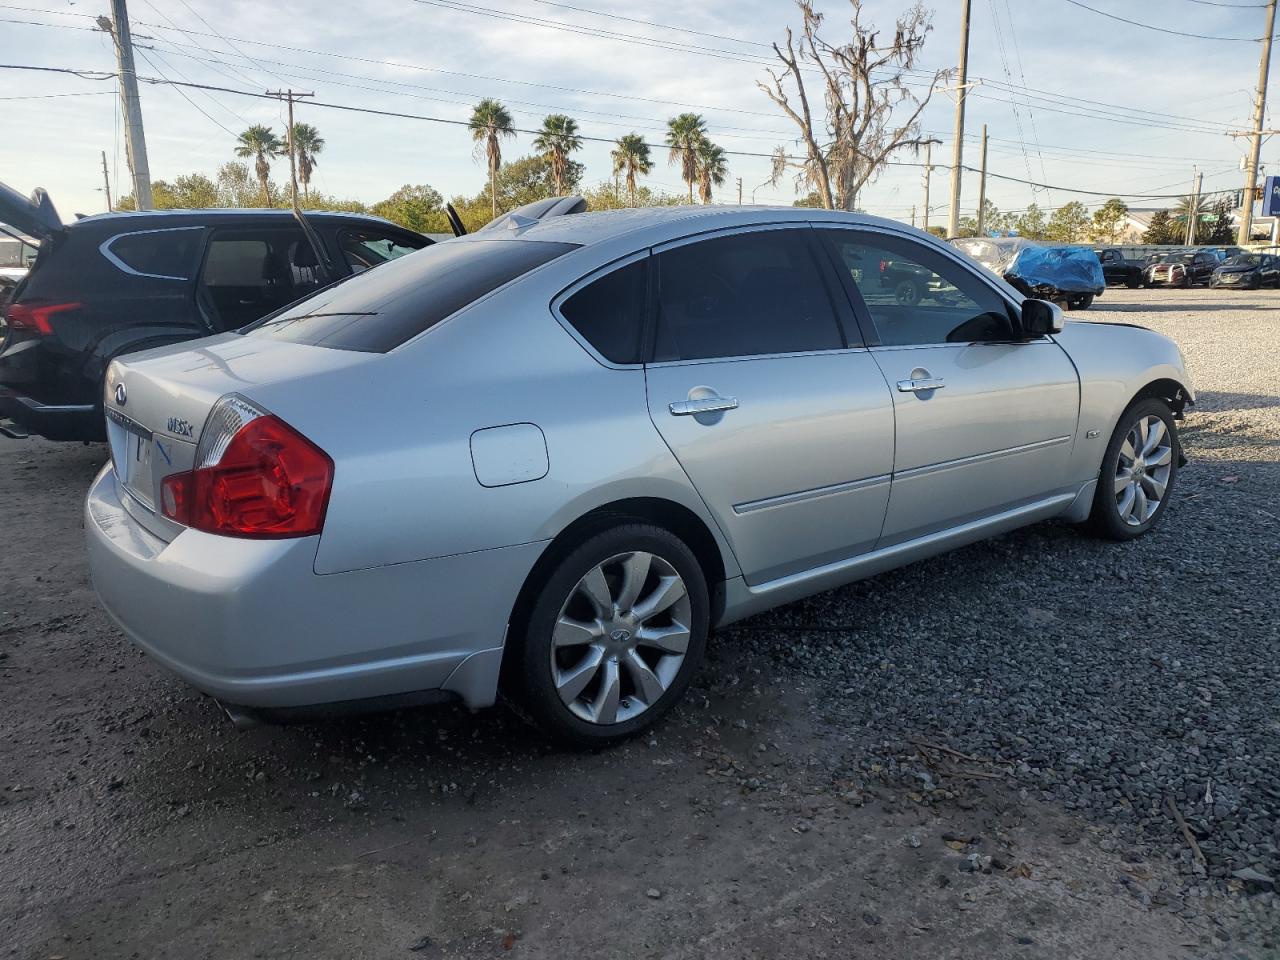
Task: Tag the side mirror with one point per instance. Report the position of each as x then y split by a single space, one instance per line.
1040 318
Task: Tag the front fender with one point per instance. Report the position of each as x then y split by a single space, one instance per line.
1117 363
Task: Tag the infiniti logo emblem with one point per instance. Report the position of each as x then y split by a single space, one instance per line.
620 636
121 397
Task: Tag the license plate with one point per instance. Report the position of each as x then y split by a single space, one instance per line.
132 450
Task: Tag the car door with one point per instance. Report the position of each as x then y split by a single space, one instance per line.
773 407
985 423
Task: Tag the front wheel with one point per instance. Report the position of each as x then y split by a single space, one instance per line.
614 639
1139 470
1133 283
908 293
1083 302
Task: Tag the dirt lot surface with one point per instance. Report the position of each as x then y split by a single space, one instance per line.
967 758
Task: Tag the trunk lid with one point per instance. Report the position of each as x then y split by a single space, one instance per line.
156 404
35 217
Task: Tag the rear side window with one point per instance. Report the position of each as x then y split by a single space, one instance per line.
158 254
378 310
609 312
747 294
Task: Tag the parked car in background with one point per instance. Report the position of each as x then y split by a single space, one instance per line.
552 456
1118 269
1248 270
17 253
1063 274
113 284
1180 269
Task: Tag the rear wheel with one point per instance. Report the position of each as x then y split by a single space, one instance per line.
614 639
1139 470
1083 302
908 293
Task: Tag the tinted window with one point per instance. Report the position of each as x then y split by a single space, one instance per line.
609 313
364 249
157 253
381 309
743 295
248 274
916 295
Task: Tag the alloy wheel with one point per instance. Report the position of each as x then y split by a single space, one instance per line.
621 638
1142 470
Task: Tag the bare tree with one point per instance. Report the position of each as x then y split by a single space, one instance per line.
869 112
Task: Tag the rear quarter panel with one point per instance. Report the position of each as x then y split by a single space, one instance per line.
399 429
1115 362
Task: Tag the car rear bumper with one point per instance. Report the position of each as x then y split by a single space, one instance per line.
21 383
50 420
250 622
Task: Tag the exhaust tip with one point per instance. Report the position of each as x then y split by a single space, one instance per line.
241 717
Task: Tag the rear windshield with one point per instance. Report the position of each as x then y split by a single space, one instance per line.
380 309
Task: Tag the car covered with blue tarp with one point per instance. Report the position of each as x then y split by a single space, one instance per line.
1046 271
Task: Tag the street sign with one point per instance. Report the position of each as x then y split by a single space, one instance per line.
1271 197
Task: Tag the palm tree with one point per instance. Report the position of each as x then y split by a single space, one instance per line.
262 144
631 156
684 133
490 121
307 142
712 168
557 139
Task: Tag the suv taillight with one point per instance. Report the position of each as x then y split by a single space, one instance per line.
255 476
35 317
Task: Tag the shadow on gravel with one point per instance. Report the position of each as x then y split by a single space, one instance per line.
1215 401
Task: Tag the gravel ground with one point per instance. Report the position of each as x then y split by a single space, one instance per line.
975 756
1113 678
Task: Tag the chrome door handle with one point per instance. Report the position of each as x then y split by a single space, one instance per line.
921 385
690 408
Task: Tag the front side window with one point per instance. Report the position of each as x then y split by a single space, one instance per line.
158 254
609 312
917 296
365 249
743 295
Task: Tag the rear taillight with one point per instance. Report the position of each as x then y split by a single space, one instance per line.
254 476
35 317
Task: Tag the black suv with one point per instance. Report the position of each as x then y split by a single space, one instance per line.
121 282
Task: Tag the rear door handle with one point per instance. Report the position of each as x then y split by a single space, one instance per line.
921 385
690 408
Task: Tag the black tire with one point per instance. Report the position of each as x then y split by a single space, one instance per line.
1083 302
1105 519
908 293
530 682
1133 283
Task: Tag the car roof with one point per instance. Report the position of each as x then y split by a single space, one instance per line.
654 224
144 219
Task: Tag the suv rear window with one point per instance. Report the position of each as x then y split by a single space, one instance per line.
160 254
378 310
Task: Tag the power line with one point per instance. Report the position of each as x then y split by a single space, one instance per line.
353 108
177 87
1147 26
54 96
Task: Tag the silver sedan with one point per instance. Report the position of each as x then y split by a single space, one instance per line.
549 458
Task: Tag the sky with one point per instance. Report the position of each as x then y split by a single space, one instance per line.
1096 104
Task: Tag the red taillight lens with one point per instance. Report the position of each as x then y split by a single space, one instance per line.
35 317
270 481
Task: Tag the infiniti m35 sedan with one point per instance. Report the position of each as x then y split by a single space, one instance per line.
548 458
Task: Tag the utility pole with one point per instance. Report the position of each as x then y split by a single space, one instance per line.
739 191
957 151
290 97
106 182
928 175
1193 212
913 214
1259 114
134 141
982 184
